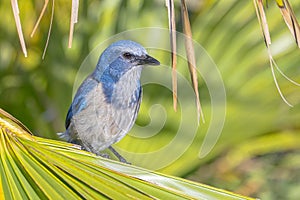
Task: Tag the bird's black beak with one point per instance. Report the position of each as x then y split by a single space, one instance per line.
147 60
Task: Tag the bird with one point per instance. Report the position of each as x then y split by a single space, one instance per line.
107 102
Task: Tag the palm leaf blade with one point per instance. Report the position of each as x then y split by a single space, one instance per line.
38 168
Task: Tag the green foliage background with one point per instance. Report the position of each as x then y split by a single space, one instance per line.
258 152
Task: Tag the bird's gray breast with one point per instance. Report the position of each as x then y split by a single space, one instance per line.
103 122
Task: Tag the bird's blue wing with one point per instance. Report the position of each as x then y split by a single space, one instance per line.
139 100
69 117
79 102
77 105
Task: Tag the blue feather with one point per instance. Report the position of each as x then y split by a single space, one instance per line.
79 102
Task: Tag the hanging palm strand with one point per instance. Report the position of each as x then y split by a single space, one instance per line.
290 19
40 17
15 9
293 25
74 20
191 56
50 25
189 51
172 28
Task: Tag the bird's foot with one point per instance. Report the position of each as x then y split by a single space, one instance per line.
121 158
104 155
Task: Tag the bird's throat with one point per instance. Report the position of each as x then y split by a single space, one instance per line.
126 91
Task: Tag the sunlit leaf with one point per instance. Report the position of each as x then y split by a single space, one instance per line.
37 168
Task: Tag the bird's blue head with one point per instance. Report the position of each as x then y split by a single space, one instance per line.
121 57
119 69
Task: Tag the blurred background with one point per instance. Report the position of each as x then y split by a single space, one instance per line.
258 152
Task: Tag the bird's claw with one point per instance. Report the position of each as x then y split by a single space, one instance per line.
103 155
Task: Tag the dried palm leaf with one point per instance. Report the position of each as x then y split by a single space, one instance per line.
260 13
191 56
40 17
49 31
74 20
15 9
265 30
172 28
50 25
290 19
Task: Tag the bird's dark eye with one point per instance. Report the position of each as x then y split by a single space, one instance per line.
128 55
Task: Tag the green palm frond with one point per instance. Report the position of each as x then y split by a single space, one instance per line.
39 168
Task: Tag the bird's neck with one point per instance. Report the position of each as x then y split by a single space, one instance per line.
123 91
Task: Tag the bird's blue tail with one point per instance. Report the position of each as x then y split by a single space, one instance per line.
64 136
